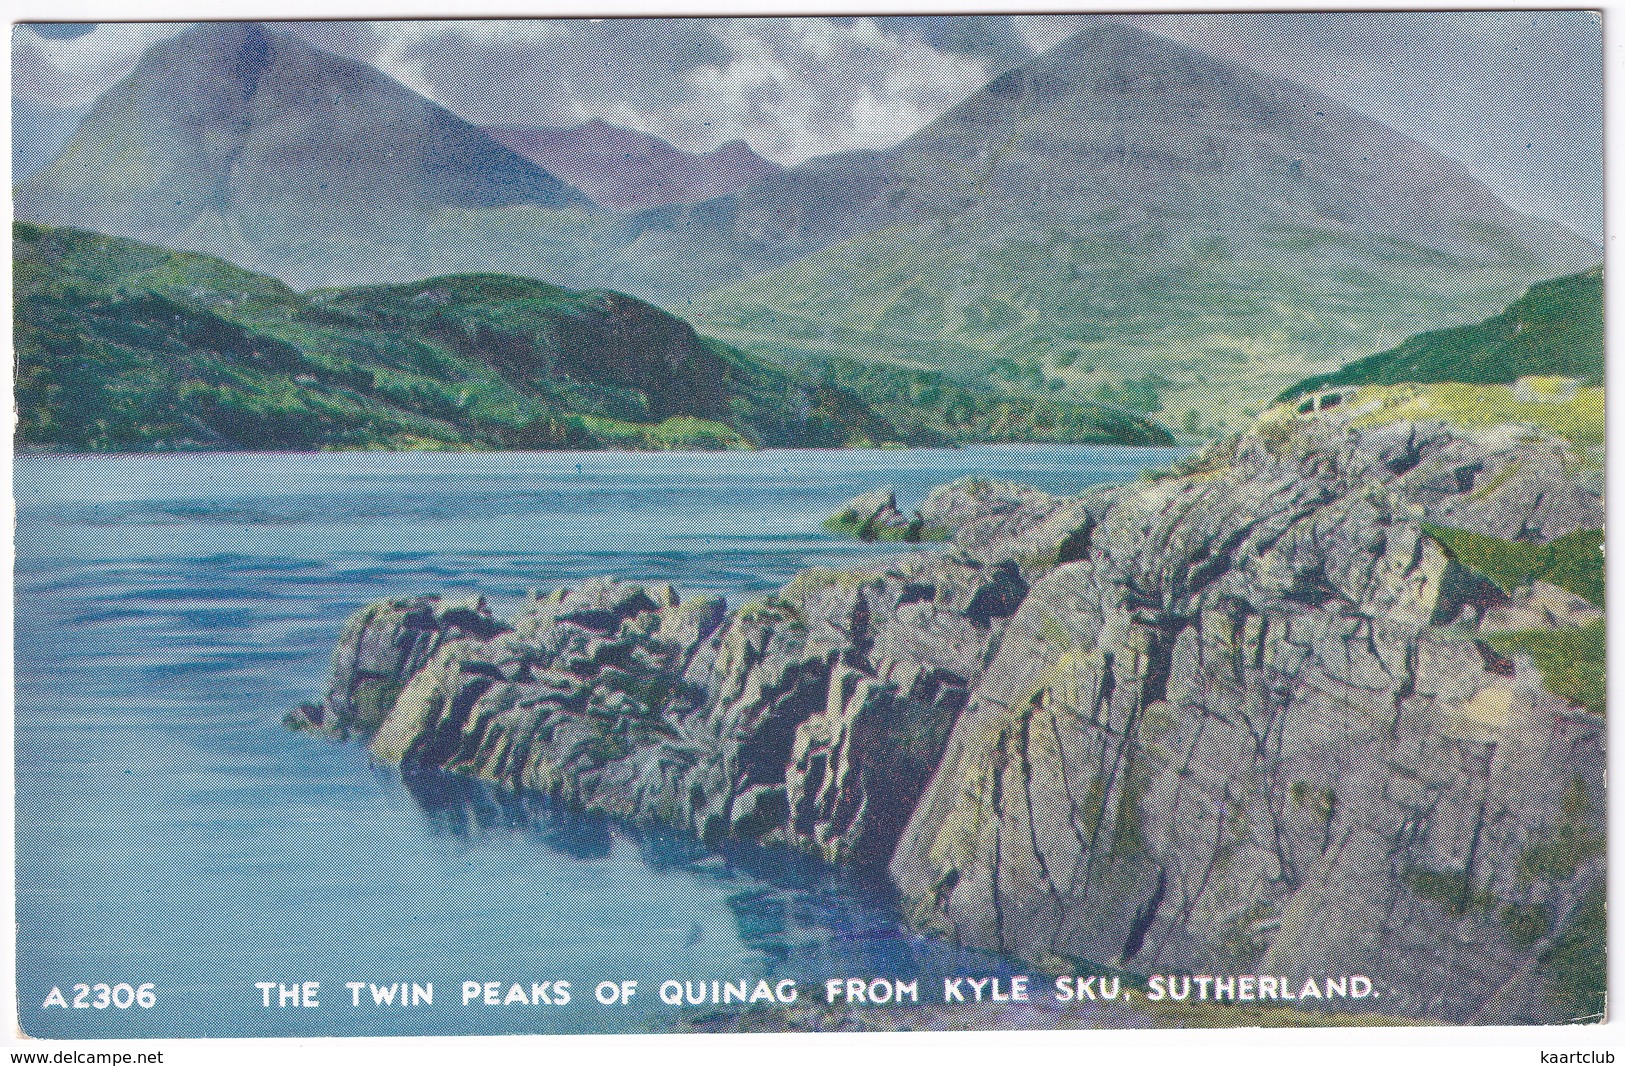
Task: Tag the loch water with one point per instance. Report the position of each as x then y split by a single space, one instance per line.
170 830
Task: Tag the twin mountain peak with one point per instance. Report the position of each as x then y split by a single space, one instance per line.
1118 211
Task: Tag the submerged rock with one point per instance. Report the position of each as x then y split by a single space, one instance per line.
1246 718
874 516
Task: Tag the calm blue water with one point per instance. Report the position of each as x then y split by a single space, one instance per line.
170 610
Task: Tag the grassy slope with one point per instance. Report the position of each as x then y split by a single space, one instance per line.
1083 309
938 406
126 347
1573 660
1556 328
1573 561
1550 403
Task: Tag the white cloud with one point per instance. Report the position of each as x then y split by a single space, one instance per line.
1516 95
72 73
790 87
795 88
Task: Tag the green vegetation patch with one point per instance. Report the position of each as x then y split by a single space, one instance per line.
1449 889
678 433
1525 923
1573 561
934 407
1578 417
1128 825
1556 328
374 698
1573 660
1556 856
916 530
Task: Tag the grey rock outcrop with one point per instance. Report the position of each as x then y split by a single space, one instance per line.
383 646
1231 736
1242 718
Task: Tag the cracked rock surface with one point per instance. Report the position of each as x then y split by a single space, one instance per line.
1238 719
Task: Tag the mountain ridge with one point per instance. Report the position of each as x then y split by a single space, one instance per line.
626 169
242 120
929 174
1119 221
127 347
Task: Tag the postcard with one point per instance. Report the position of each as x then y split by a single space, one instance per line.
753 524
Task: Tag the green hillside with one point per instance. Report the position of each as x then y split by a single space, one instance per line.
1224 331
1120 224
125 347
934 405
1555 329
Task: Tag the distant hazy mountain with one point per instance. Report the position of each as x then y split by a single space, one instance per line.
240 135
1120 220
38 132
1123 208
628 170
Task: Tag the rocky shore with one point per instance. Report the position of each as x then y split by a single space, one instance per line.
1251 716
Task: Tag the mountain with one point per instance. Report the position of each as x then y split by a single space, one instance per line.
1121 221
126 347
1555 329
242 137
630 171
1122 207
38 132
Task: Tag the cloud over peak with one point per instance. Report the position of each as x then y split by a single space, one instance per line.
1517 96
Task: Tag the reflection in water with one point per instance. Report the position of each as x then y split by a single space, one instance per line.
177 606
472 810
802 915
